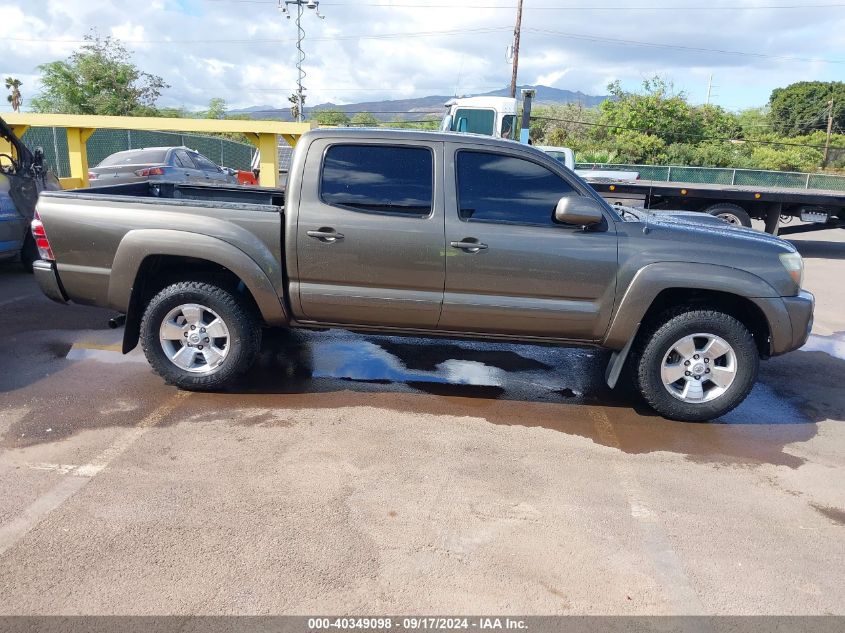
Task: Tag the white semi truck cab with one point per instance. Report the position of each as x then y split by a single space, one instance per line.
491 116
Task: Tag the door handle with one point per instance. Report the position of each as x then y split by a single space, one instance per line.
325 235
469 244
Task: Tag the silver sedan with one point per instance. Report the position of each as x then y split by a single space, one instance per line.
179 164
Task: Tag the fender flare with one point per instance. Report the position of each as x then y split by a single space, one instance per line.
653 279
139 244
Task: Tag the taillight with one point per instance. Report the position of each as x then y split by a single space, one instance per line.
92 175
41 241
150 171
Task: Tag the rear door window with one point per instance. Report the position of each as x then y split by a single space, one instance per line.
203 163
182 159
378 179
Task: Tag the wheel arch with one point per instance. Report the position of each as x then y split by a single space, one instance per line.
148 260
655 288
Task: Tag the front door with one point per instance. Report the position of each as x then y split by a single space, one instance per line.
510 268
370 234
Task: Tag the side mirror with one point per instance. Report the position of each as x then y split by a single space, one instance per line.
578 210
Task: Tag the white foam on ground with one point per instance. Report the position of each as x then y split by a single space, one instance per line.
104 355
832 345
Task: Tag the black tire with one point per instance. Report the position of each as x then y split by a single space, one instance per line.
244 334
29 253
657 341
731 213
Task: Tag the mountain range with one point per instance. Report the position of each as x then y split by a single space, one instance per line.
405 109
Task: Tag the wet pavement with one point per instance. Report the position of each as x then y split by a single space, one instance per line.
378 474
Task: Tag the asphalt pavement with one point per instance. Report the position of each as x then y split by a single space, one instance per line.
367 474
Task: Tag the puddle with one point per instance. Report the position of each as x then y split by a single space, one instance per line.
833 345
503 384
548 387
430 365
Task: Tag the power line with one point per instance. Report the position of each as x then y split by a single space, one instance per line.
379 36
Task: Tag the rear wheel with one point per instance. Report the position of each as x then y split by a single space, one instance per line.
199 336
730 213
696 365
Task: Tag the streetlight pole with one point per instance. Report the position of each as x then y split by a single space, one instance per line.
300 6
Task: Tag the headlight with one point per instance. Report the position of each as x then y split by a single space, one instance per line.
794 265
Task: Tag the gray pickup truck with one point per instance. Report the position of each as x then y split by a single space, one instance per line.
417 233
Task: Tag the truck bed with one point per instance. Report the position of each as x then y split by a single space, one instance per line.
211 195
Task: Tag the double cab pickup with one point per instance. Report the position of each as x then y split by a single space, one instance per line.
437 234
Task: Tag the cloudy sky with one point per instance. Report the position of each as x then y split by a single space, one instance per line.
244 50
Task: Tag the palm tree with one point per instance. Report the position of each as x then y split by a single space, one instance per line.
14 85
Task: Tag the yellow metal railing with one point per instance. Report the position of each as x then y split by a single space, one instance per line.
263 134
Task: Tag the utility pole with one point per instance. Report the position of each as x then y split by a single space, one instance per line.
300 6
829 131
516 31
709 89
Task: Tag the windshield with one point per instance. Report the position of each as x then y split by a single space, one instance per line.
135 157
474 121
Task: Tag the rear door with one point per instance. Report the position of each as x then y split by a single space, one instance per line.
370 233
209 170
510 268
185 168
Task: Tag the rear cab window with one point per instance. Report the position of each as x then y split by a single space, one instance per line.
376 178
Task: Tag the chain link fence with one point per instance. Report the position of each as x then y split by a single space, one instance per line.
103 143
727 176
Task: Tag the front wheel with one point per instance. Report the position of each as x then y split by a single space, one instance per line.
696 365
199 336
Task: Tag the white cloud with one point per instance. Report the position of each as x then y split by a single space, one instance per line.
180 40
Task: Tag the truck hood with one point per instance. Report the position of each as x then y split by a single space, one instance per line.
696 238
704 224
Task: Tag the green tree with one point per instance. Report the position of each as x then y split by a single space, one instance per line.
754 122
13 85
802 107
364 119
99 78
330 117
569 125
216 109
661 111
